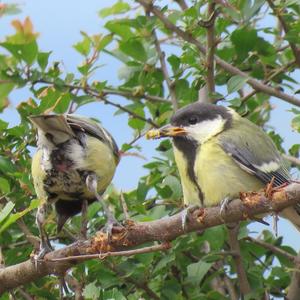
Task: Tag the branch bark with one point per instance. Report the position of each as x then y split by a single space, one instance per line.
134 234
284 25
186 36
294 288
240 269
210 50
164 69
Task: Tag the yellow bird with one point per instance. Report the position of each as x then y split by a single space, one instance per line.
220 154
75 162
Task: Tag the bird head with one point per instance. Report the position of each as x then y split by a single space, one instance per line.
198 122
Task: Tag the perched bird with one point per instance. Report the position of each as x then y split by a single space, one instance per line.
75 162
220 154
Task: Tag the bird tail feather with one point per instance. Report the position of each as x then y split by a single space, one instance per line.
54 125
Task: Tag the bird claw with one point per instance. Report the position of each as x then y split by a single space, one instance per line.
45 247
108 227
185 215
223 207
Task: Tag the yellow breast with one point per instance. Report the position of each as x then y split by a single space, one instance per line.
219 176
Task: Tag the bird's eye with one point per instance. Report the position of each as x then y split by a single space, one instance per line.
193 120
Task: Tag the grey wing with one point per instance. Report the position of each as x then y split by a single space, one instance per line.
256 154
94 129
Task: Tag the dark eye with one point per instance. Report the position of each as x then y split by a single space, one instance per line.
193 120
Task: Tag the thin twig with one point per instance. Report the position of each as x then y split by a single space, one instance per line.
30 237
164 69
241 273
182 4
124 206
272 248
108 91
76 286
2 264
131 113
257 85
268 79
25 294
128 94
278 13
230 288
294 160
160 247
143 285
210 50
84 219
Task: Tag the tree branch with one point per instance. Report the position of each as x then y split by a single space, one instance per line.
164 69
134 234
293 160
277 13
269 78
230 288
182 4
272 248
210 49
257 85
294 288
240 269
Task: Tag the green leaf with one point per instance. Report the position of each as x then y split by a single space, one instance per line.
4 186
91 291
42 59
296 123
235 83
114 294
14 217
6 166
5 89
6 211
26 52
174 184
62 104
244 40
197 271
134 49
117 27
3 125
118 8
104 41
84 47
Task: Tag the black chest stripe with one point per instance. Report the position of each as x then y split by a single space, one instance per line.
189 149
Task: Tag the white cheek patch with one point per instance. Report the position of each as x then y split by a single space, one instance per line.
268 167
205 130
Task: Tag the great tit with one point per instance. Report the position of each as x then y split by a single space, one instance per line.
220 154
75 162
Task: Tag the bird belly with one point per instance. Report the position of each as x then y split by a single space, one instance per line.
62 174
219 176
68 185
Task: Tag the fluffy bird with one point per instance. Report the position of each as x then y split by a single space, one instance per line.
220 154
75 162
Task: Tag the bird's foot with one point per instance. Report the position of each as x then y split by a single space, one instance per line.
186 213
45 247
223 206
110 225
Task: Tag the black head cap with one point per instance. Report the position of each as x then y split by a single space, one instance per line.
199 112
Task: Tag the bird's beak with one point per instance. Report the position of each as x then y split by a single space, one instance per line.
166 131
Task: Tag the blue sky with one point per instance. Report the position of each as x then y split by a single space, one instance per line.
59 24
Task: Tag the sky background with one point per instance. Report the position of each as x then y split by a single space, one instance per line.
59 24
